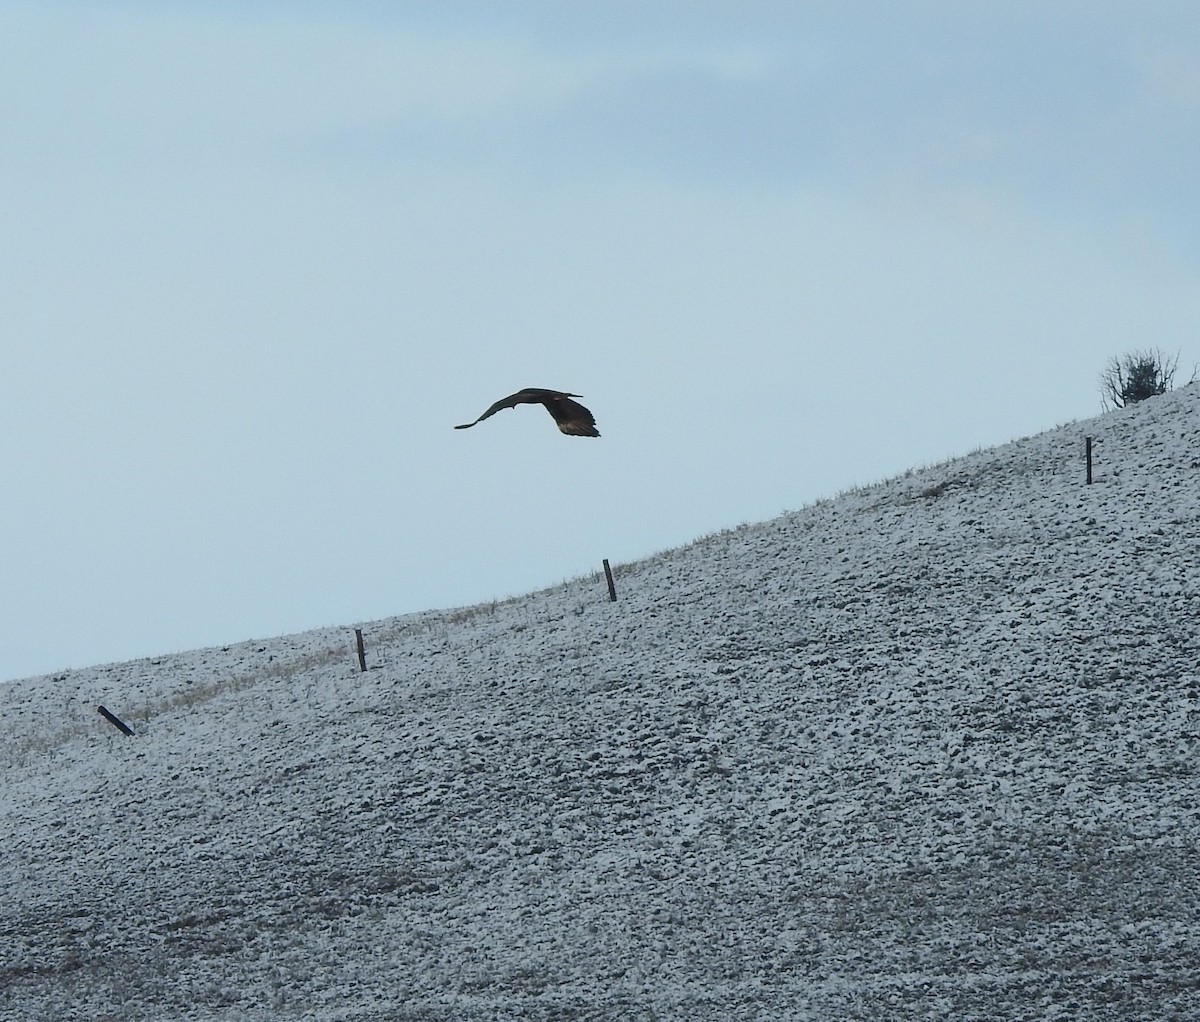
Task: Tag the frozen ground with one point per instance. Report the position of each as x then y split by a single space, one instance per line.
925 751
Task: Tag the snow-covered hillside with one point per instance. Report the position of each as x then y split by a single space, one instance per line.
925 751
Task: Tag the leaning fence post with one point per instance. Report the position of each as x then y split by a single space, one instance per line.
362 651
612 589
116 721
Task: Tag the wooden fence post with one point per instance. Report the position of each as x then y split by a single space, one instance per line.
362 651
1088 450
612 589
116 721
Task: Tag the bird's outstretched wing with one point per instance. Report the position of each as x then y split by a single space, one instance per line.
505 402
572 418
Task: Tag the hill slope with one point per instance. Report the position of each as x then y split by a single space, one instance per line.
924 751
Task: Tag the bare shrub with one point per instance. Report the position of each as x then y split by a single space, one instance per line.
1136 376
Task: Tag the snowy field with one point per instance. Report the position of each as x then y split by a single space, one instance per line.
924 751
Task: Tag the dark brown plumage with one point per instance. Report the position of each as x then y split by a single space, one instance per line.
572 418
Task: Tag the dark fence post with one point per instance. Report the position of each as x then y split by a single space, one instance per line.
612 589
362 650
1088 450
116 721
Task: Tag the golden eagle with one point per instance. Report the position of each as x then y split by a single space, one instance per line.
572 418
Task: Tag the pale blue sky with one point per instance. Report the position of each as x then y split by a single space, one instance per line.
258 259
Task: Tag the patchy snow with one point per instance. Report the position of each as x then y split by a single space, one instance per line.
924 751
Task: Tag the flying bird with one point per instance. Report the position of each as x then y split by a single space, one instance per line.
572 418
